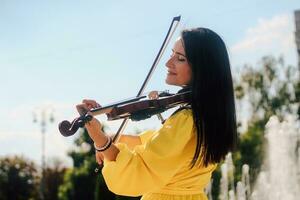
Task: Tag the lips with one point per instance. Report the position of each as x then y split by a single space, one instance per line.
171 73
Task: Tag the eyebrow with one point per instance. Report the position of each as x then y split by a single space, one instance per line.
178 53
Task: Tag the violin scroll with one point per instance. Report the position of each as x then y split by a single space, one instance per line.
67 129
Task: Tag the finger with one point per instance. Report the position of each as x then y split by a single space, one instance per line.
98 159
90 106
101 156
82 108
90 103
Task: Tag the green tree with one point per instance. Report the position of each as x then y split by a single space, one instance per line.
82 182
53 176
18 179
270 88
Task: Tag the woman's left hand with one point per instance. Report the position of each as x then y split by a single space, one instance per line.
94 127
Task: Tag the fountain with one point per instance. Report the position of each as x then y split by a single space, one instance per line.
227 189
280 178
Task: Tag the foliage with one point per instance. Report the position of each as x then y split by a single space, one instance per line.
81 182
250 151
216 178
78 181
271 89
53 177
18 179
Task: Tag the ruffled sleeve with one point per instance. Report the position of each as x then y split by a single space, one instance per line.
149 167
146 135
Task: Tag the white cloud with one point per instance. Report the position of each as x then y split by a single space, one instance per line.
273 36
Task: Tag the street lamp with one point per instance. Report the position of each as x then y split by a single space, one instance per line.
43 116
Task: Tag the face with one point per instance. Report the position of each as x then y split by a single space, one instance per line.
179 71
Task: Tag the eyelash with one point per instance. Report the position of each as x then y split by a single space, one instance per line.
181 59
178 58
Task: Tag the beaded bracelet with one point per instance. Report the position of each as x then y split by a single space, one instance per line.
104 147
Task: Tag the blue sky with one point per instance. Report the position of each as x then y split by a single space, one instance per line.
53 54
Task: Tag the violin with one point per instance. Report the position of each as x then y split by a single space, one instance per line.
136 109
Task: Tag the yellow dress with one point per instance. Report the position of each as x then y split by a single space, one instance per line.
159 169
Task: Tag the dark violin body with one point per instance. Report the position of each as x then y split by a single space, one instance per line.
135 109
144 109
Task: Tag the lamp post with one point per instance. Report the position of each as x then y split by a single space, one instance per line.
43 116
297 34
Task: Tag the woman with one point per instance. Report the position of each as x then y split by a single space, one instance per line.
176 161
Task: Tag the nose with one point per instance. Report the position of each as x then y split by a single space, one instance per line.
169 63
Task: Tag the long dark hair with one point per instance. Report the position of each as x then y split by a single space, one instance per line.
212 102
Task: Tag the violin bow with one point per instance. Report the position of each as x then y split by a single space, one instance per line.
162 49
